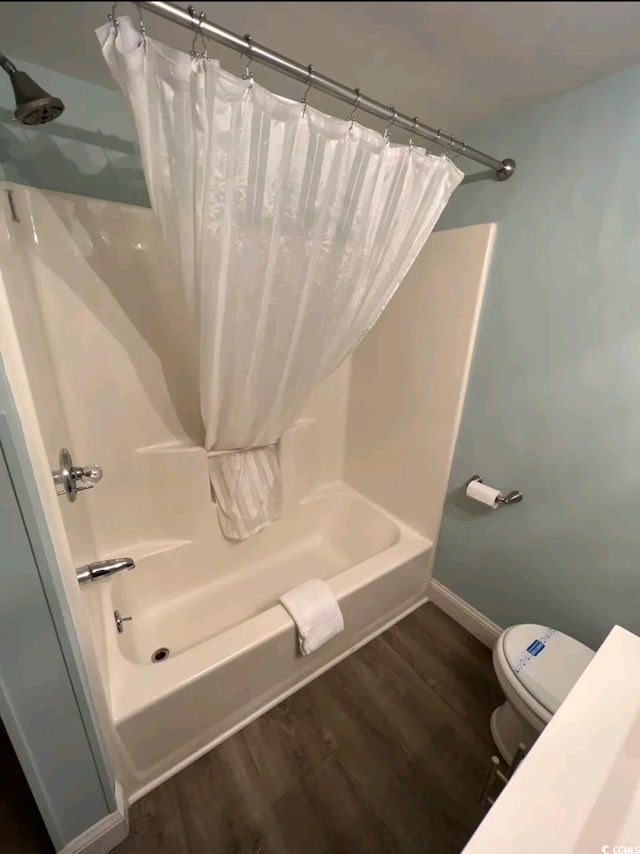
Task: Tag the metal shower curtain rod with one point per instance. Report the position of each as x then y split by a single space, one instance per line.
193 20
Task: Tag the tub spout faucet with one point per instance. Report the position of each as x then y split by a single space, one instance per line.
103 568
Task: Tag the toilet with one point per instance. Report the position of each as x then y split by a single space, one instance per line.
536 667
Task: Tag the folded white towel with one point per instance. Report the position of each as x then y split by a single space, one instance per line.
315 611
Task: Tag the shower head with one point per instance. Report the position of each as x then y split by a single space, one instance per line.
34 106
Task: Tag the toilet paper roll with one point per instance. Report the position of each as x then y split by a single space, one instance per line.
483 493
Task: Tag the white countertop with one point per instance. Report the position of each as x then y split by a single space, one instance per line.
578 789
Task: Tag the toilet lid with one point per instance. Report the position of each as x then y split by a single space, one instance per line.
546 662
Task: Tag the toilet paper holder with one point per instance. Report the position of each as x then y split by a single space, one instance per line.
513 497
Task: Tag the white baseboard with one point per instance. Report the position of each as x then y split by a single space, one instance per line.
103 836
465 614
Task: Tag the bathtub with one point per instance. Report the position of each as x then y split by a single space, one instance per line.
232 649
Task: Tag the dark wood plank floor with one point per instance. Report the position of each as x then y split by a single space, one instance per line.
384 753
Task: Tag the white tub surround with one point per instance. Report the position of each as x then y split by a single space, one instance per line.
98 366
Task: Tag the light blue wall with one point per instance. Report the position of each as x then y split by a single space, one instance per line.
90 150
553 406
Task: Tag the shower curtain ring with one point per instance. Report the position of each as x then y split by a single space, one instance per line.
112 18
205 50
305 99
192 12
141 26
463 148
435 141
248 75
391 122
198 32
412 131
355 107
452 143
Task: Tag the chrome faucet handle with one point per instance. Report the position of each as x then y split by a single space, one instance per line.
93 473
74 479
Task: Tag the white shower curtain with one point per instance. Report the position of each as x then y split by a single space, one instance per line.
292 229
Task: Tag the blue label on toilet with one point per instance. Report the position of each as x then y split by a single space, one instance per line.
535 648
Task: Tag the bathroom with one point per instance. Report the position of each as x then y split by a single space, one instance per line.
506 354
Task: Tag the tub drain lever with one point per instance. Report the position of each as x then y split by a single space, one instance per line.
117 616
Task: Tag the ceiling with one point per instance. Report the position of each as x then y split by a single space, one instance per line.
452 63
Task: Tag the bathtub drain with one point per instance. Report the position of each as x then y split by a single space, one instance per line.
160 655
